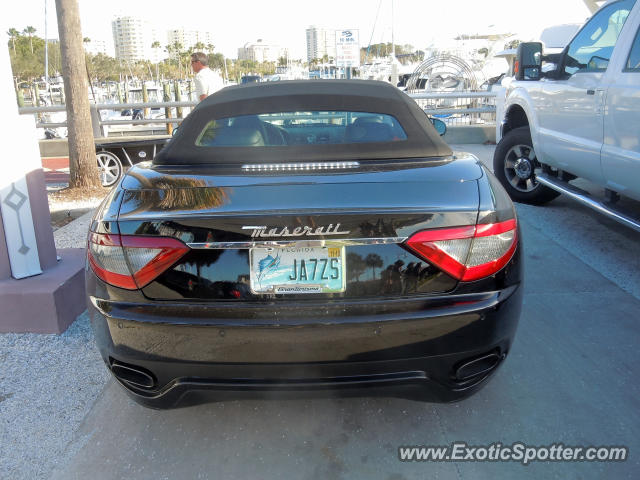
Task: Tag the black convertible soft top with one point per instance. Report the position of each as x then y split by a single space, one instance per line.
305 95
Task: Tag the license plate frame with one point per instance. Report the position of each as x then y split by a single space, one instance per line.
274 275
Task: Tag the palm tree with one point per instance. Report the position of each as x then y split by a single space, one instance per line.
210 48
13 33
169 50
156 45
185 57
30 31
177 51
199 46
373 260
180 193
177 47
82 150
356 266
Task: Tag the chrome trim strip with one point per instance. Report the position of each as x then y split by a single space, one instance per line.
298 243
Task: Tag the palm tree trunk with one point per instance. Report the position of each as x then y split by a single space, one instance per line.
82 150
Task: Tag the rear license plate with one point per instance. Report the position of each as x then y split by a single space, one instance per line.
297 270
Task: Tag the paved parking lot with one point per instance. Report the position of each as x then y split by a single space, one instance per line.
571 378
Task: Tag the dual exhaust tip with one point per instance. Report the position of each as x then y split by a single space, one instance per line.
470 369
478 367
133 375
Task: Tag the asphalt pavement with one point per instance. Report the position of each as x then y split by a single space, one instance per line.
570 378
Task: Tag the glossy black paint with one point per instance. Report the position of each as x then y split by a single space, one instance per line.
198 328
216 274
192 347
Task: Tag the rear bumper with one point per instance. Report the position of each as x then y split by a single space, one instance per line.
415 378
405 346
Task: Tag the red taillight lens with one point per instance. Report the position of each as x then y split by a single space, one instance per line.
467 253
132 262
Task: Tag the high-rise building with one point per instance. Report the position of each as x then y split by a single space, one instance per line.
320 42
261 52
190 38
96 46
133 37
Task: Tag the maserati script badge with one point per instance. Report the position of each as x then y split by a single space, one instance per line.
261 231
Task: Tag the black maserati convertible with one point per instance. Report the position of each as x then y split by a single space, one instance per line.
304 236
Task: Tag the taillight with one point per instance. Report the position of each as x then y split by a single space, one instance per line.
132 262
467 253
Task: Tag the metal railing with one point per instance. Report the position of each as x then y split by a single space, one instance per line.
455 108
459 108
98 123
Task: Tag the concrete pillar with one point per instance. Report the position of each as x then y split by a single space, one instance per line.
38 293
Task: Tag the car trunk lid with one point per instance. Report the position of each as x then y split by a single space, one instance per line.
366 212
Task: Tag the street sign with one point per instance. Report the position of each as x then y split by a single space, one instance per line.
347 48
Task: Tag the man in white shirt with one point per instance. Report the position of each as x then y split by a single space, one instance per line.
207 81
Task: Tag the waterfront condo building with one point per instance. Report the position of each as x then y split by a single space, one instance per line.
320 42
190 39
132 39
260 51
96 46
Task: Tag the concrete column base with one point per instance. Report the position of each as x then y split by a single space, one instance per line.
46 303
470 134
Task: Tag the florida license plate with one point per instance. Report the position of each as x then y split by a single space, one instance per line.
297 270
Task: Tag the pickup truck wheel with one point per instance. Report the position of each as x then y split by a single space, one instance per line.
515 164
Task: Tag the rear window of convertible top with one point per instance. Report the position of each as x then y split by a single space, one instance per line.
301 128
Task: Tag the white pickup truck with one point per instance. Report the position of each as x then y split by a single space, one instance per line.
577 114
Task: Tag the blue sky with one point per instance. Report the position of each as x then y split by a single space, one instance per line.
233 23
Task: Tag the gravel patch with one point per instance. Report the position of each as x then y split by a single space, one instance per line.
74 234
66 206
57 205
48 384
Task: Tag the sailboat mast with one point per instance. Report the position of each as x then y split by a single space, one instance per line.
46 48
393 43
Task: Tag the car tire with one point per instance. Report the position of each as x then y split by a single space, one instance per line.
514 164
110 168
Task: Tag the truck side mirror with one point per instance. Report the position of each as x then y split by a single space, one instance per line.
528 61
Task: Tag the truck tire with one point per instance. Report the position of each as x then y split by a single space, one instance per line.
514 164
